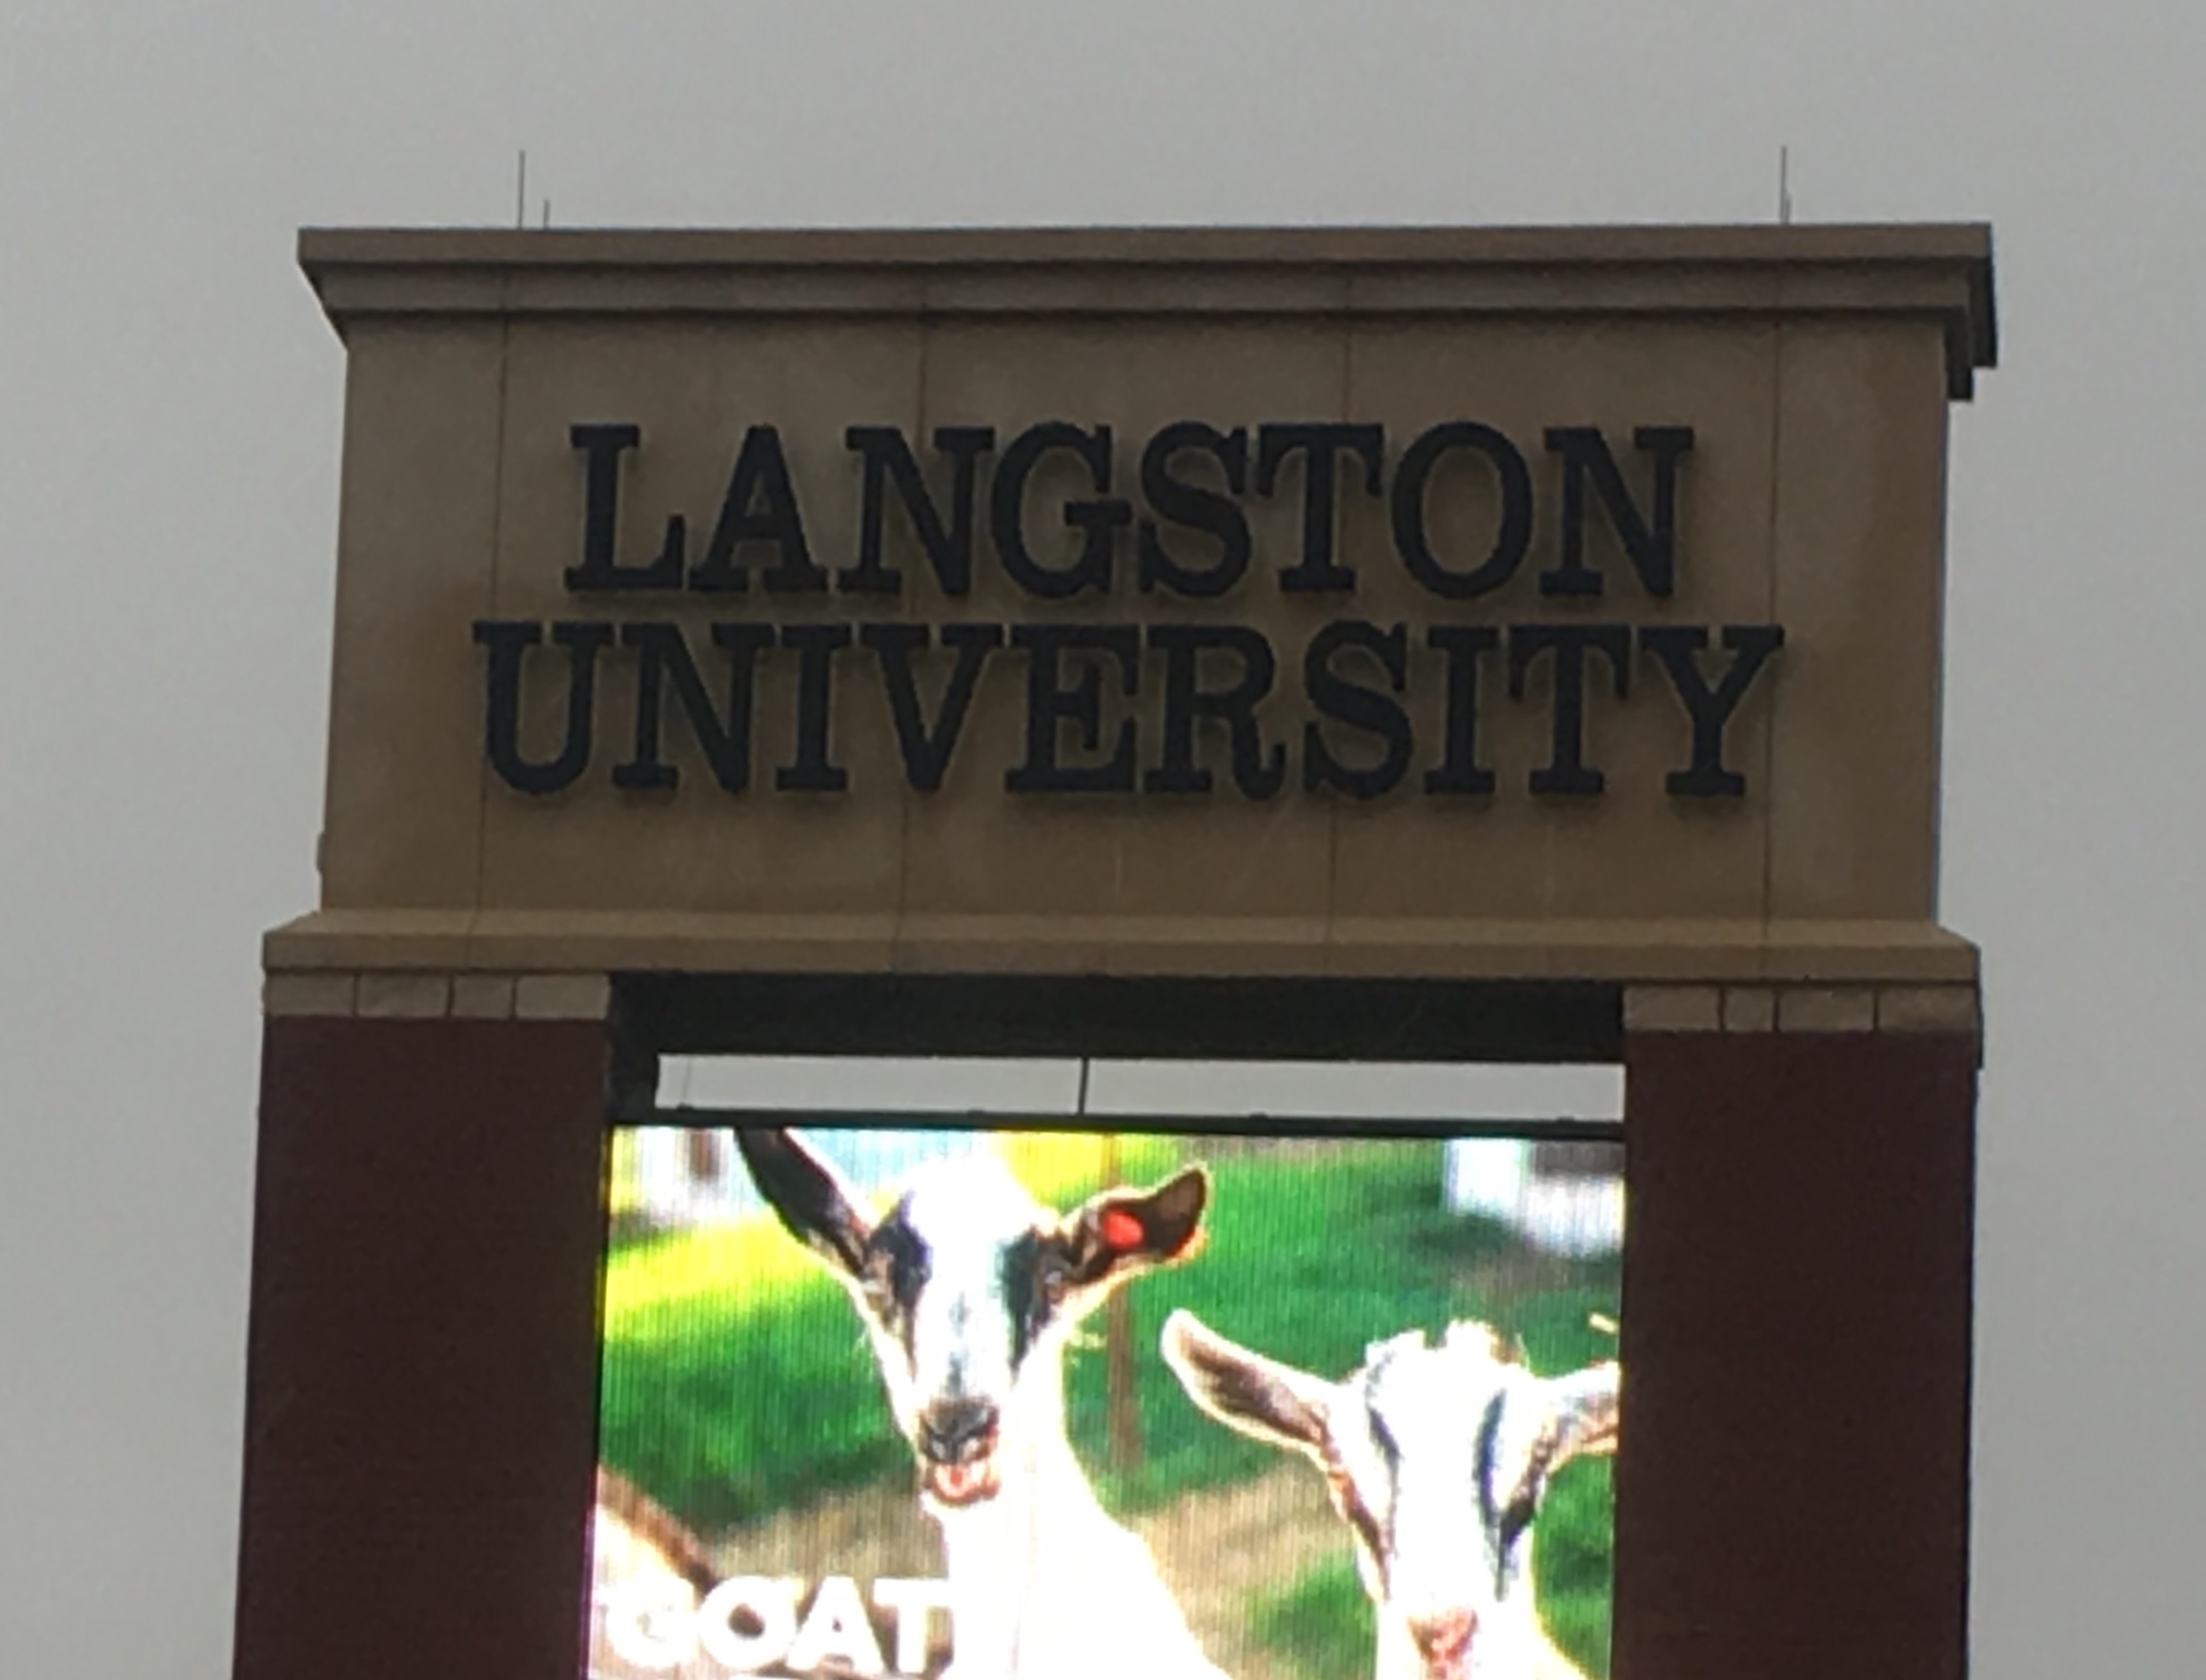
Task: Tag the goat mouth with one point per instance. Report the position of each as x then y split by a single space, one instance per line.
961 1485
1445 1650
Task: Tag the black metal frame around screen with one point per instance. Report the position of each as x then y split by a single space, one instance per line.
1336 1017
1098 1018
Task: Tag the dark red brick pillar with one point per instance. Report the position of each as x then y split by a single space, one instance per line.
421 1405
1792 1491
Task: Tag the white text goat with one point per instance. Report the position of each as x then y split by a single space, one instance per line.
1437 1458
970 1291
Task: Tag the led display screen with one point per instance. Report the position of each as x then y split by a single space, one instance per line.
878 1401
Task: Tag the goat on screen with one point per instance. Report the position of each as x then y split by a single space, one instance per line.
1437 1457
970 1291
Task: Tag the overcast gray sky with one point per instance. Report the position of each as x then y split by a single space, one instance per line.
169 414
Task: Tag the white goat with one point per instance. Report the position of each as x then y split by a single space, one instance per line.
1437 1457
970 1291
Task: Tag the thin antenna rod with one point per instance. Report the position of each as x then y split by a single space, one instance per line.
521 191
1785 186
1081 1107
547 215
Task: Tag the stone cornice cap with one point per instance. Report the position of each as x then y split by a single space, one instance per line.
1939 270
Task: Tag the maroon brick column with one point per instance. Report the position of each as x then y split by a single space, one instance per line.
1793 1491
420 1407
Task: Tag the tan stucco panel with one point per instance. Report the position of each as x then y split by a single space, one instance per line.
1858 560
418 532
1816 374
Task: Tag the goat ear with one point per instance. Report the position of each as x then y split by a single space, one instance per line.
1582 1411
1122 1230
810 1197
1243 1391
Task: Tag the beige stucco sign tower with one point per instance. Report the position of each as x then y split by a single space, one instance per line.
1468 643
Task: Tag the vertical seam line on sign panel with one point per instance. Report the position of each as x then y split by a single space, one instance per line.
497 512
906 794
1330 938
1771 603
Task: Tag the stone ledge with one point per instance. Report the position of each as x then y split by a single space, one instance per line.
1827 1009
415 995
1674 1009
1802 1009
483 997
563 997
407 995
1657 953
404 995
1750 1009
309 994
1928 1009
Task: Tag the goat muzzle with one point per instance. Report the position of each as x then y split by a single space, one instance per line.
961 1485
957 1442
1443 1642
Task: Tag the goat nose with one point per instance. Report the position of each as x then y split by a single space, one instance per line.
1442 1640
952 1431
